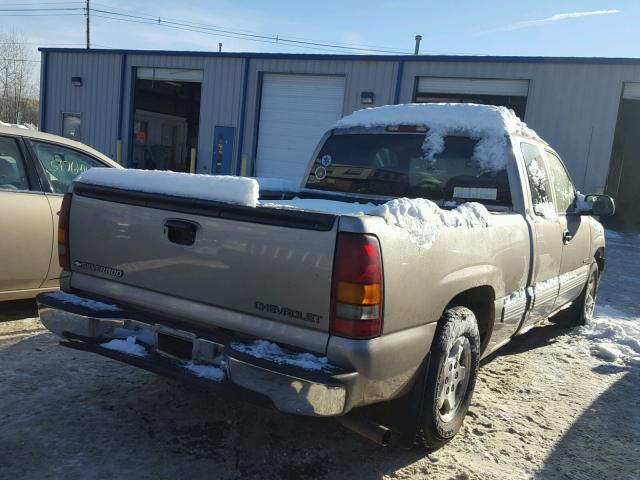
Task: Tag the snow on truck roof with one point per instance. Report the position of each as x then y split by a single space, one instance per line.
473 119
488 124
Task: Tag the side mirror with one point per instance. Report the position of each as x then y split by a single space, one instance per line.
597 205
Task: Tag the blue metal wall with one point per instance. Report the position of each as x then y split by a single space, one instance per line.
572 103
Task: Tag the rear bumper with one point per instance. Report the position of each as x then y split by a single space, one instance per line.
216 363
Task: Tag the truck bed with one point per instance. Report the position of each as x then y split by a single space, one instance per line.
123 237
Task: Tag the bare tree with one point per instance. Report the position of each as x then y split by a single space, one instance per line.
18 91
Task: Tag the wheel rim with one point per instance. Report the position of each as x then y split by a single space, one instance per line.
590 299
454 379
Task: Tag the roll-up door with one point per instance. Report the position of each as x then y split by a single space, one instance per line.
295 110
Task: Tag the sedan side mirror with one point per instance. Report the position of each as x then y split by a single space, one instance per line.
597 205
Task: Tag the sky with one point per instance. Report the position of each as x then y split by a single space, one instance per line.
605 28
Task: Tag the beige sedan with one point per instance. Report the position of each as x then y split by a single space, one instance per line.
35 171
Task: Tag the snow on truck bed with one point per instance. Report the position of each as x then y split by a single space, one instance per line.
420 217
220 188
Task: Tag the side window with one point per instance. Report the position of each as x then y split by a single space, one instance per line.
71 126
12 169
62 165
538 181
562 186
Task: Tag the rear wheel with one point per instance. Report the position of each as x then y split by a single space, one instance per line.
581 310
451 378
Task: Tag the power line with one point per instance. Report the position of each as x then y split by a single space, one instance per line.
235 34
44 9
210 33
19 60
40 14
28 4
243 31
32 10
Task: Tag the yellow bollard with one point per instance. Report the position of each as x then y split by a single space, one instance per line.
245 162
119 151
192 167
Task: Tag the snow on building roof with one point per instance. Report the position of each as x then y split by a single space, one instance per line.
473 119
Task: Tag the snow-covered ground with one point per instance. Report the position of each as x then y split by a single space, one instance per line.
553 404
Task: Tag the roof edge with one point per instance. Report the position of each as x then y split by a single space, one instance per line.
352 57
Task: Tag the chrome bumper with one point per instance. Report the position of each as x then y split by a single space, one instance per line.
289 388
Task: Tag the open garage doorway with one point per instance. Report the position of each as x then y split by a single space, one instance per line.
624 170
166 119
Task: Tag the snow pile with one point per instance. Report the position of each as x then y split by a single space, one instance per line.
83 302
26 126
219 188
206 371
614 335
127 346
277 184
272 352
488 124
423 218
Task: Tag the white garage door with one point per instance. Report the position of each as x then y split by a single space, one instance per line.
631 91
295 111
477 86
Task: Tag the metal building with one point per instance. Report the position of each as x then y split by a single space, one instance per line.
261 114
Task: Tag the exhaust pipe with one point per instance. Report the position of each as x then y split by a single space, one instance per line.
367 428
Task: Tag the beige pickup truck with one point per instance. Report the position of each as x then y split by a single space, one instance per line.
422 237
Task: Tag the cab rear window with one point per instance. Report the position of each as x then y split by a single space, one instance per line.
396 165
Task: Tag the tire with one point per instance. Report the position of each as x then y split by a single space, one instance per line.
580 312
455 358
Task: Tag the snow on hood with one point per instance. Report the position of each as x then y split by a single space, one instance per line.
420 217
486 123
220 188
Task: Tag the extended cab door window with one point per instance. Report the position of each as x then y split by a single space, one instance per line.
563 188
62 165
539 185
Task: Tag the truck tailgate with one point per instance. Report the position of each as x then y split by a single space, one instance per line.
269 263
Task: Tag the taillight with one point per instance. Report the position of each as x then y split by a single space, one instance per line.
64 257
357 287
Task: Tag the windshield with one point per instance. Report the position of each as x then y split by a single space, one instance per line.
396 165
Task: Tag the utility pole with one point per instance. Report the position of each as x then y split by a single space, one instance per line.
88 16
416 51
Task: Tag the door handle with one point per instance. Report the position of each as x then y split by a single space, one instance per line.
181 232
566 237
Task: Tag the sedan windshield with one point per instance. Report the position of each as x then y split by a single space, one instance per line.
396 165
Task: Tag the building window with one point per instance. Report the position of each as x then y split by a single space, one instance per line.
501 92
71 126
